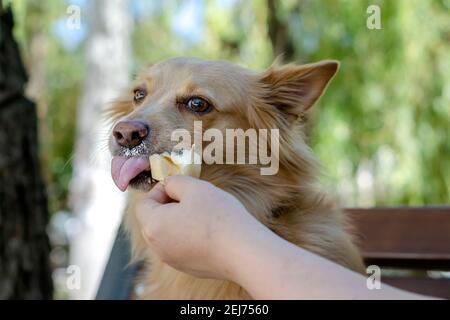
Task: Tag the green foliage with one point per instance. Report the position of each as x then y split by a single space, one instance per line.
386 116
382 128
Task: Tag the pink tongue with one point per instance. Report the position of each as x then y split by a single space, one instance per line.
124 169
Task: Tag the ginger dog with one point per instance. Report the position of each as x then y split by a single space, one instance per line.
173 94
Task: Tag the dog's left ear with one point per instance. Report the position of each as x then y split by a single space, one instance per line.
293 89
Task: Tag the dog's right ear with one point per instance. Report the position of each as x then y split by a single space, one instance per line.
293 89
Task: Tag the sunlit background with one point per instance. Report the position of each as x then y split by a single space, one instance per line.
382 130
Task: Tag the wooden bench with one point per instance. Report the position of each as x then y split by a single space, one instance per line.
413 239
416 240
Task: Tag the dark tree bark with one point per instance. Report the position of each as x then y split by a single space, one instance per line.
25 271
279 32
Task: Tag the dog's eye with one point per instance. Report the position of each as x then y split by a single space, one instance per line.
139 95
198 105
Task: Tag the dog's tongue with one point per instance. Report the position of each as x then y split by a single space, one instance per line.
124 169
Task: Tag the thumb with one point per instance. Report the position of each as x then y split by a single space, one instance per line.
158 195
177 187
155 198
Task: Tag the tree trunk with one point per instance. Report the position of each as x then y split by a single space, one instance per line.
95 200
278 31
25 271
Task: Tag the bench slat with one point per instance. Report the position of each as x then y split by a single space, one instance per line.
426 286
404 237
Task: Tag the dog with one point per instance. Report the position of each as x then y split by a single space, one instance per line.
174 93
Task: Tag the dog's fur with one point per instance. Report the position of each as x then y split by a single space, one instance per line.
290 203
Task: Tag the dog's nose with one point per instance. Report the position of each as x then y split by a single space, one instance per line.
130 133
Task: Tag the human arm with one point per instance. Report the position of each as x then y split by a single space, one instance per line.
201 230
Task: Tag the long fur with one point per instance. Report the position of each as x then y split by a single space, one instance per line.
290 203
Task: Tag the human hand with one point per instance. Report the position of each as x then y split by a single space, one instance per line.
199 229
194 226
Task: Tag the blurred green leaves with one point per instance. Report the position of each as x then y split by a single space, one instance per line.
382 130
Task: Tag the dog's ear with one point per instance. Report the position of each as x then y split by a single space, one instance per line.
293 89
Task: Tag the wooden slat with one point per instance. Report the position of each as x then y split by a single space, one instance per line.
426 286
404 237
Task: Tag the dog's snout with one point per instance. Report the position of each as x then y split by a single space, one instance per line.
130 133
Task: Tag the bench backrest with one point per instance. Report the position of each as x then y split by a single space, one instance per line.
407 238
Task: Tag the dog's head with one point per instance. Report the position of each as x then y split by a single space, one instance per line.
174 93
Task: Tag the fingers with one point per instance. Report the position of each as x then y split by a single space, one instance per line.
158 205
150 202
158 194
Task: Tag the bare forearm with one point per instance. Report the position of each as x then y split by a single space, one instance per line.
272 268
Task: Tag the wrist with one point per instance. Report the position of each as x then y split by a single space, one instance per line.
248 251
